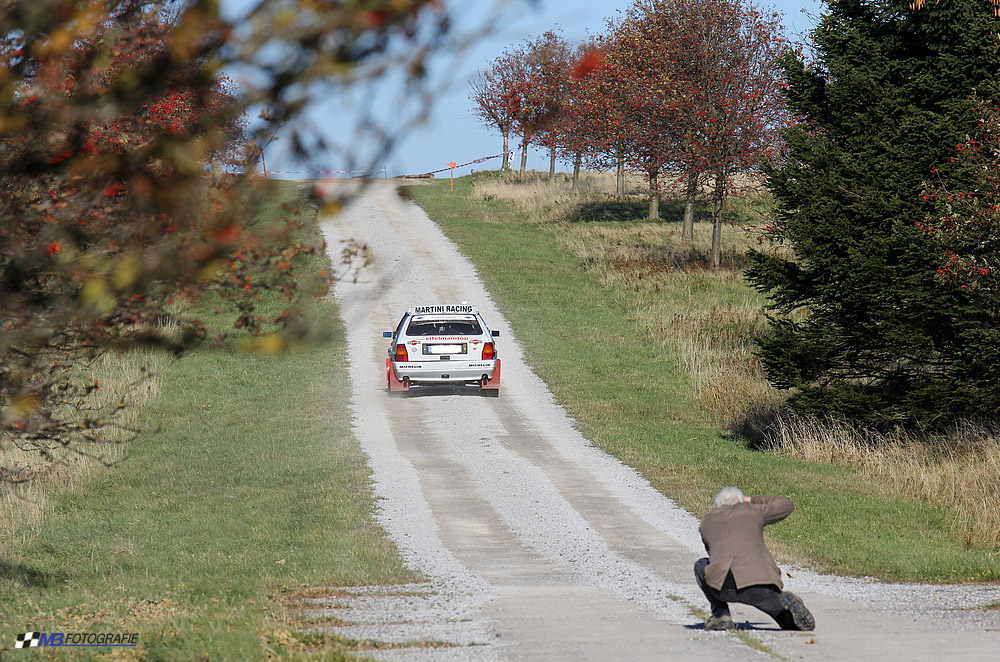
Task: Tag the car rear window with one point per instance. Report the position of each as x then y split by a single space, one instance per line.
444 328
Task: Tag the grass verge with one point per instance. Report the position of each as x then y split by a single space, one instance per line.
246 495
587 336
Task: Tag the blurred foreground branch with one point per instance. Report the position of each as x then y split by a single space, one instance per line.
126 170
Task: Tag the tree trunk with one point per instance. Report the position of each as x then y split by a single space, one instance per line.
654 197
620 183
692 190
524 158
506 151
552 163
717 198
576 170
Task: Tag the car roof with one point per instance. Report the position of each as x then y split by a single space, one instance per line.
445 318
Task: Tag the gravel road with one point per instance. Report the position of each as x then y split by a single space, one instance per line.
537 546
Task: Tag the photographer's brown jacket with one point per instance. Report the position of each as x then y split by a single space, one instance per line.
734 538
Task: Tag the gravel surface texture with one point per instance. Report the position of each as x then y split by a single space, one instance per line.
538 546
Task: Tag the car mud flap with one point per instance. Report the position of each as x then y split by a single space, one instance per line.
493 384
390 378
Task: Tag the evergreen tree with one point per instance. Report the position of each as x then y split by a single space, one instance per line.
862 325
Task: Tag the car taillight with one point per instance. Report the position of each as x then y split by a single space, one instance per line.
488 352
401 354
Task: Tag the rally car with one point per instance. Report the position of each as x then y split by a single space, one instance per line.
442 344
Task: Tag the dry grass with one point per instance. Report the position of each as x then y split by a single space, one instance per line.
958 470
547 199
678 307
705 319
130 378
713 344
543 198
716 350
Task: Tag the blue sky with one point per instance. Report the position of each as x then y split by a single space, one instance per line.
450 131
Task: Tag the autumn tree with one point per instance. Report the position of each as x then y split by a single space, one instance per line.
647 95
575 136
527 106
96 245
863 325
736 106
495 95
596 116
697 89
123 154
548 60
506 90
725 108
523 90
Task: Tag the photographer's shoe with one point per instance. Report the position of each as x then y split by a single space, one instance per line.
795 616
721 622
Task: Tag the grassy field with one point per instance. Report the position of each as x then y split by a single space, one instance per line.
248 494
647 349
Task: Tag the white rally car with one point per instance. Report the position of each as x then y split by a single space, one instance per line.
444 344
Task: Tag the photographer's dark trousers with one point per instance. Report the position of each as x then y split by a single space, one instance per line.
766 597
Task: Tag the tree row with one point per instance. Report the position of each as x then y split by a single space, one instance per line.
687 89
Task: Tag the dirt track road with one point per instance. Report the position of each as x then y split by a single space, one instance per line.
537 545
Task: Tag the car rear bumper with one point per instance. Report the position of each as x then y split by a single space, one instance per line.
444 372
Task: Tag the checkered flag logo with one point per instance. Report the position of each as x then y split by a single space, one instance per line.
28 639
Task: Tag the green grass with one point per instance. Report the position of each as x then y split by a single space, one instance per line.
251 494
630 398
